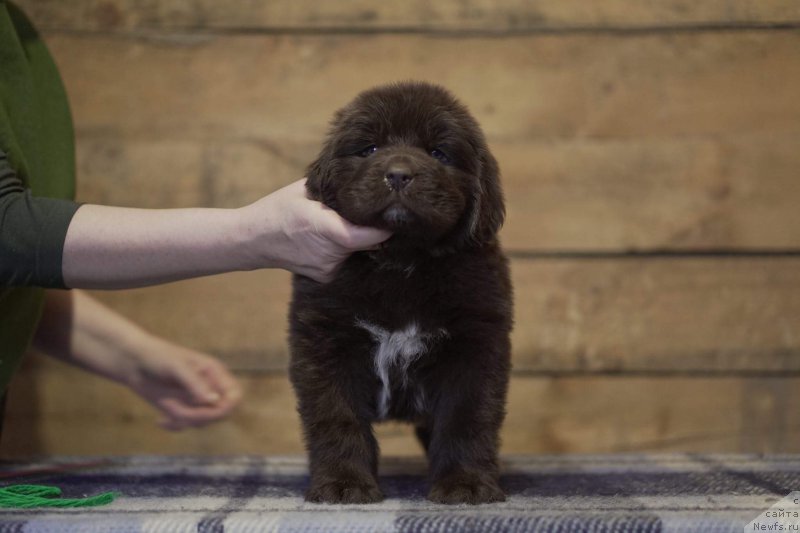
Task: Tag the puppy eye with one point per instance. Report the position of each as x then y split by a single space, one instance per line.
440 156
371 149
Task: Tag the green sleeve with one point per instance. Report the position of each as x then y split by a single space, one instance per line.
36 135
32 233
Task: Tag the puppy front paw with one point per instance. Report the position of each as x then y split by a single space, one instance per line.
345 491
466 488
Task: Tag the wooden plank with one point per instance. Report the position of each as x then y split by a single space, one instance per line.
737 192
606 142
605 195
262 87
114 170
414 15
48 416
712 315
240 317
653 315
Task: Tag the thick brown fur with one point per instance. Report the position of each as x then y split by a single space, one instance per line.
410 158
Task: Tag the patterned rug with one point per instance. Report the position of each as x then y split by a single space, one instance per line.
630 493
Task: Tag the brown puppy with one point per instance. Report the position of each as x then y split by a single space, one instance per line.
418 330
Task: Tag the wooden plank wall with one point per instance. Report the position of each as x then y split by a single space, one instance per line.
651 161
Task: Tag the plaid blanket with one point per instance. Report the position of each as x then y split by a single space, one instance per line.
631 493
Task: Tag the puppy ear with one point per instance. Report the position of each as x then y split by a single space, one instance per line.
318 182
489 210
315 179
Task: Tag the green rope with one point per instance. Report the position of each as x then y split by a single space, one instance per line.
30 496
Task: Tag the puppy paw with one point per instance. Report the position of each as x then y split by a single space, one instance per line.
345 491
463 488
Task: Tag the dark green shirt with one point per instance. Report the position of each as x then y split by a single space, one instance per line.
37 182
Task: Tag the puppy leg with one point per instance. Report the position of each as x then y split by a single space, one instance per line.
343 452
423 433
463 462
464 440
343 455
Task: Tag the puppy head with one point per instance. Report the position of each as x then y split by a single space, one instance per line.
410 158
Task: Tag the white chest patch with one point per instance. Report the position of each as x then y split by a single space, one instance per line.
397 348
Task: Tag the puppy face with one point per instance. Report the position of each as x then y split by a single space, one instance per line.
409 157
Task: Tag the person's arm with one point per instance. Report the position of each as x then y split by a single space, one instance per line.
113 247
188 387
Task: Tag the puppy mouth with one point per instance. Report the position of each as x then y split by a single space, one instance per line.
397 216
409 216
423 209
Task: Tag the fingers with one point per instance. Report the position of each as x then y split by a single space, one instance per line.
180 414
315 239
351 236
365 238
195 384
222 381
188 387
183 410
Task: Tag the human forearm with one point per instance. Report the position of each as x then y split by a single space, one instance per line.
115 248
190 388
80 331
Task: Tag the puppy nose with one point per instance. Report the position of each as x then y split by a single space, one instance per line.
398 177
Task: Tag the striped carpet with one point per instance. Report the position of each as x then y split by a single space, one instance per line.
626 493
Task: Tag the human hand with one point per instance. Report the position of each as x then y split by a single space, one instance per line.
188 387
290 231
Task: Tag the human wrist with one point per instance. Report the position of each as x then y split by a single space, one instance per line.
255 225
78 330
126 354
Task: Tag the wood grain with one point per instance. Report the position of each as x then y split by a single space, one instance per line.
285 88
55 410
657 315
605 143
608 315
414 15
240 317
619 125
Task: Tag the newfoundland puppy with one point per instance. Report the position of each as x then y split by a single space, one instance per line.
417 330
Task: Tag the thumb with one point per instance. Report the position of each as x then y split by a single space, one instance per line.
363 237
195 385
